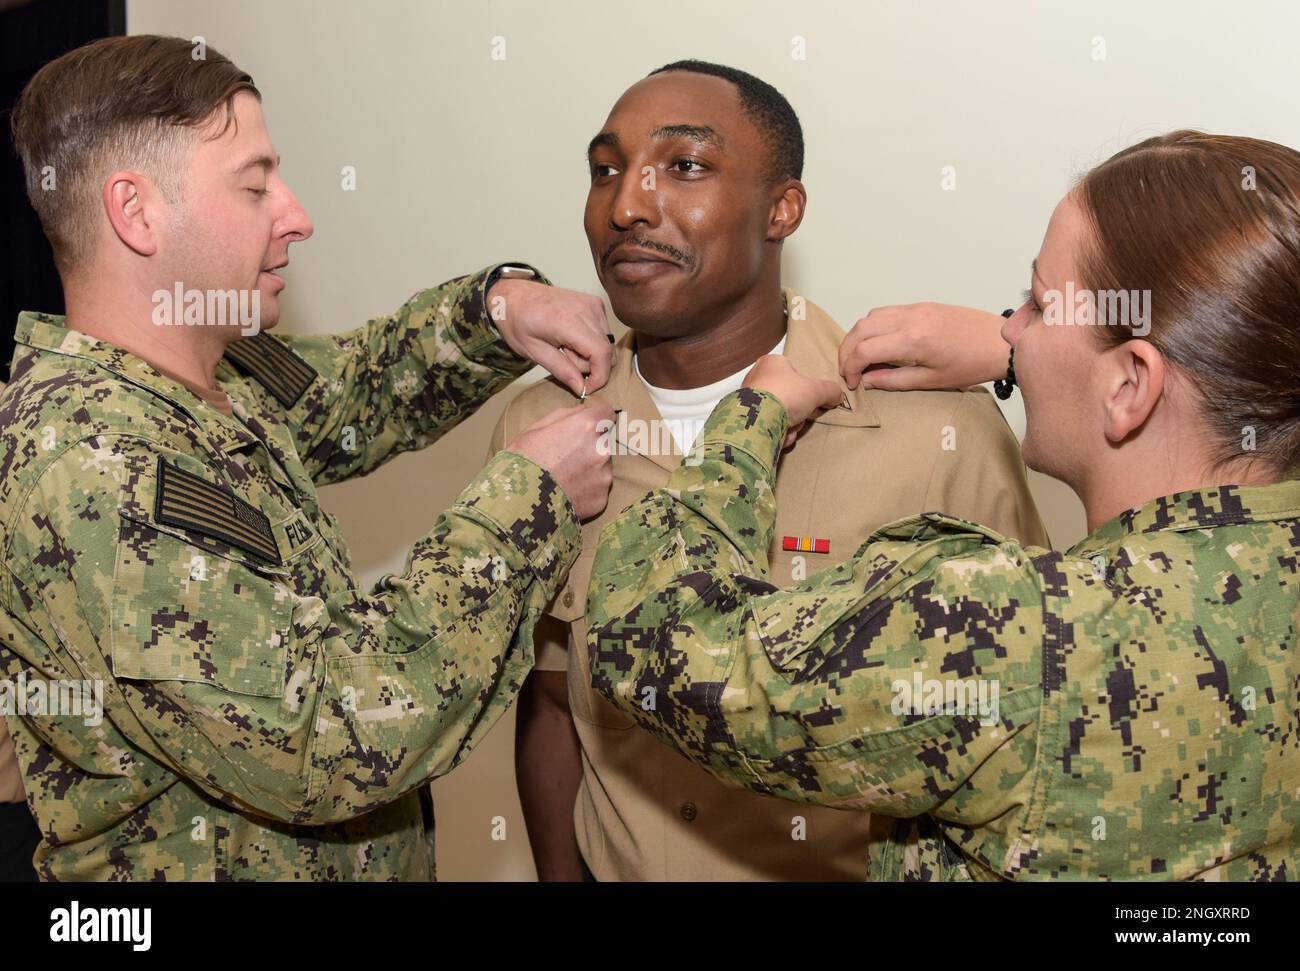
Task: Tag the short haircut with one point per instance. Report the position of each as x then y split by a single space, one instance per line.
120 102
767 108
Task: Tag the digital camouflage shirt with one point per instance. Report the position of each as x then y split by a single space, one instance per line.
263 716
1127 710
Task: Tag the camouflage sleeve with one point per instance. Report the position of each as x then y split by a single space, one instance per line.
824 692
400 382
306 709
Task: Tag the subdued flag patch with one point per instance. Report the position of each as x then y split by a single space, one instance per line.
192 502
269 362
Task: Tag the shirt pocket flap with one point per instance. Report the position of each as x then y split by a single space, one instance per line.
190 605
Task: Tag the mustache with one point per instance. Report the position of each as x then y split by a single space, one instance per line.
644 242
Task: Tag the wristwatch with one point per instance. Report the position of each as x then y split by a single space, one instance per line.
510 271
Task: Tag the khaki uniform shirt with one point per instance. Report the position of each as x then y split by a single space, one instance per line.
1125 710
644 812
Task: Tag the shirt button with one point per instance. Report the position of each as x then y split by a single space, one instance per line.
689 812
567 599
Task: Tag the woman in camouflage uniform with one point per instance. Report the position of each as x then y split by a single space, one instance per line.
1124 710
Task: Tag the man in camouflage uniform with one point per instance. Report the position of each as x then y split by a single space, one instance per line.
1121 742
262 716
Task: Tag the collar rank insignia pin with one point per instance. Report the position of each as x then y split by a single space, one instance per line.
844 401
805 544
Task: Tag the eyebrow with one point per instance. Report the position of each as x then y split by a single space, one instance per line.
262 161
606 139
699 133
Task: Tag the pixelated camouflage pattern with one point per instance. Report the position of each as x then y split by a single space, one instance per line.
261 721
1147 719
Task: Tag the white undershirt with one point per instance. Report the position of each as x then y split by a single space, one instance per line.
685 410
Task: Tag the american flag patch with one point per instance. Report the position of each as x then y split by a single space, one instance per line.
270 362
192 502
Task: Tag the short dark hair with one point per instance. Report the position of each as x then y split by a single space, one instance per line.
769 110
120 101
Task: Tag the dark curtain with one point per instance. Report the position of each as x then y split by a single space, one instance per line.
32 34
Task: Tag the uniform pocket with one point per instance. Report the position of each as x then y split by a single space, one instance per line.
184 612
200 586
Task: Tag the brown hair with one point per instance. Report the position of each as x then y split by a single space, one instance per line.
1210 225
121 102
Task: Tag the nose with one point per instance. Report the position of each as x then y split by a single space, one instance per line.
1015 324
636 201
293 223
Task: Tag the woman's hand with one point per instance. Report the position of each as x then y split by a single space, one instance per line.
924 346
801 395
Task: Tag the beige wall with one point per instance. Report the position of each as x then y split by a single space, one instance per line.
462 159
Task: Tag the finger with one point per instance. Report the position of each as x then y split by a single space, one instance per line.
589 321
877 322
592 346
900 379
601 317
578 360
558 363
597 412
890 348
831 394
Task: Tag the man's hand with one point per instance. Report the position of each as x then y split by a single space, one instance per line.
924 346
801 395
564 331
572 444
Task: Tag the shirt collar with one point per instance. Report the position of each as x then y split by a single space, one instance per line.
1225 505
41 333
812 345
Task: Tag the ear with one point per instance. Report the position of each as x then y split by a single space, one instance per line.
1134 379
128 198
787 210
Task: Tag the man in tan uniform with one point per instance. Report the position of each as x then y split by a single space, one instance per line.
694 186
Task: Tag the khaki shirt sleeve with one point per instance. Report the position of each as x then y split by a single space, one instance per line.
305 709
982 478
